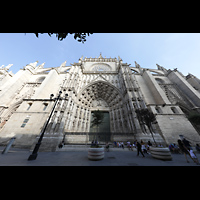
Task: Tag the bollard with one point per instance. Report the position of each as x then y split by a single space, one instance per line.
8 145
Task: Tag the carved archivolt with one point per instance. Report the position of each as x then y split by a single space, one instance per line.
99 91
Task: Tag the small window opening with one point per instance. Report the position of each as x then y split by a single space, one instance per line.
26 120
24 123
174 110
158 110
45 106
29 106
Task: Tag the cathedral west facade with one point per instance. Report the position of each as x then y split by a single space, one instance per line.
109 85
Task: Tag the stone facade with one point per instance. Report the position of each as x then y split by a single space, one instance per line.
105 84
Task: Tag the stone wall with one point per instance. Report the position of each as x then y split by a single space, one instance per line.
107 84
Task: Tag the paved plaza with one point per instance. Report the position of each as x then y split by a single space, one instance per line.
18 157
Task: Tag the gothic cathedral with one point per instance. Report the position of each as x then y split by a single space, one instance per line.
117 89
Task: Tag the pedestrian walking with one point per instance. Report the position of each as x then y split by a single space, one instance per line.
184 150
144 150
107 147
128 144
122 144
197 147
149 143
193 156
117 144
186 143
139 149
131 147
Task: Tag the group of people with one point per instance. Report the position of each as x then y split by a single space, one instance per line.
140 146
186 149
94 143
119 144
184 146
174 148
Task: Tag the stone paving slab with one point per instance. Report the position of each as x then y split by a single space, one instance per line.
16 157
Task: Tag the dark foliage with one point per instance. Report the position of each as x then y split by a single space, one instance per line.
147 117
97 118
81 37
194 118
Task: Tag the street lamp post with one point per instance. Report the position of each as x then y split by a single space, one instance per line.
33 156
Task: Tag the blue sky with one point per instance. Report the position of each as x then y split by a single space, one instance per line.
170 50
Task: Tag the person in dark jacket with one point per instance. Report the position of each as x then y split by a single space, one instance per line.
186 143
139 149
184 149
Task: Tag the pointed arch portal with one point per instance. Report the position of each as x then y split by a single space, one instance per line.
103 96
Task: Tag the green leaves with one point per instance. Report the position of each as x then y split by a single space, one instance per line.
97 117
